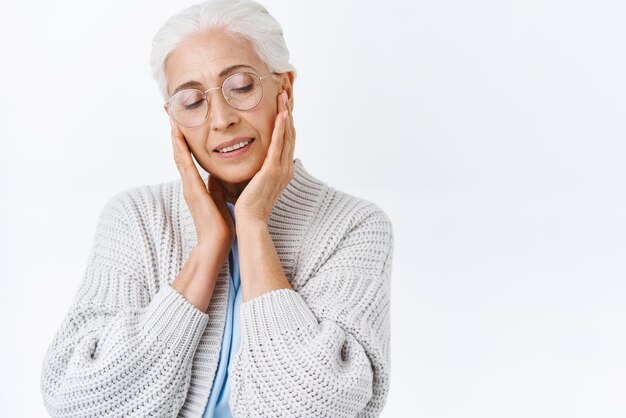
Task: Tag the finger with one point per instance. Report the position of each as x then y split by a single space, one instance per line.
276 145
291 124
192 181
287 128
286 140
287 155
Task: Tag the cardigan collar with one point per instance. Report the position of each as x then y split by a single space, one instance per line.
294 208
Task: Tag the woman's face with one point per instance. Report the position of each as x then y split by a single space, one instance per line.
201 59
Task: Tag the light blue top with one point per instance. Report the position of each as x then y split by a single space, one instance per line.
220 391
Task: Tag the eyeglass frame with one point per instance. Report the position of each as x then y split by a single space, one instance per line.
167 104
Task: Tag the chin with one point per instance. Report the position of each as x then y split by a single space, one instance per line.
235 174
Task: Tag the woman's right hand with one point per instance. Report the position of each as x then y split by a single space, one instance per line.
214 225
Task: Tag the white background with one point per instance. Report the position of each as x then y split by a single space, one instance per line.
491 132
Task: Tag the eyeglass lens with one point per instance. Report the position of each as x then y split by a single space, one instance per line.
243 91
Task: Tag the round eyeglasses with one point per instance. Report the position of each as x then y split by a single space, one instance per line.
242 91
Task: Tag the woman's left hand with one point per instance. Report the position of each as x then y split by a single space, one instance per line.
259 196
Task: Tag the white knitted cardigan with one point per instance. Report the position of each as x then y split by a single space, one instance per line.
131 345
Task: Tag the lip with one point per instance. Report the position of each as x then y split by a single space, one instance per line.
231 142
233 155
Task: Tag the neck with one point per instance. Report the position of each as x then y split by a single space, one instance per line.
233 190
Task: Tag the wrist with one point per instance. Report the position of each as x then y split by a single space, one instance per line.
205 248
247 225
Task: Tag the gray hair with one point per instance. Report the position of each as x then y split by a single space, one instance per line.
245 19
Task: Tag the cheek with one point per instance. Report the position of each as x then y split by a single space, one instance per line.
268 110
263 121
196 140
268 127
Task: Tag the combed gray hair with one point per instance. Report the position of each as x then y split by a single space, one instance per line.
245 19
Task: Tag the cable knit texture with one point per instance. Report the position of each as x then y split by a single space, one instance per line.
131 345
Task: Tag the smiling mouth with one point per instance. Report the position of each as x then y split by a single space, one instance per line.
234 147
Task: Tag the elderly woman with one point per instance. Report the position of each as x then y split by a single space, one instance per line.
248 287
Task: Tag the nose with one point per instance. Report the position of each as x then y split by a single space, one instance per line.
221 114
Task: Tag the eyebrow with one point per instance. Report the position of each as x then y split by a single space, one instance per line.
224 72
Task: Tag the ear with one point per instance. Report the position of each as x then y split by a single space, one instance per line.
287 85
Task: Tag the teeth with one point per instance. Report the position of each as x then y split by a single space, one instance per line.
234 147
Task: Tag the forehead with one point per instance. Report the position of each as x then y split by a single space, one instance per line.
202 56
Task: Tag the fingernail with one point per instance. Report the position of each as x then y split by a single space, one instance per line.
284 97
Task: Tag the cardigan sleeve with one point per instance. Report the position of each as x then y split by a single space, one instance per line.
121 351
323 350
